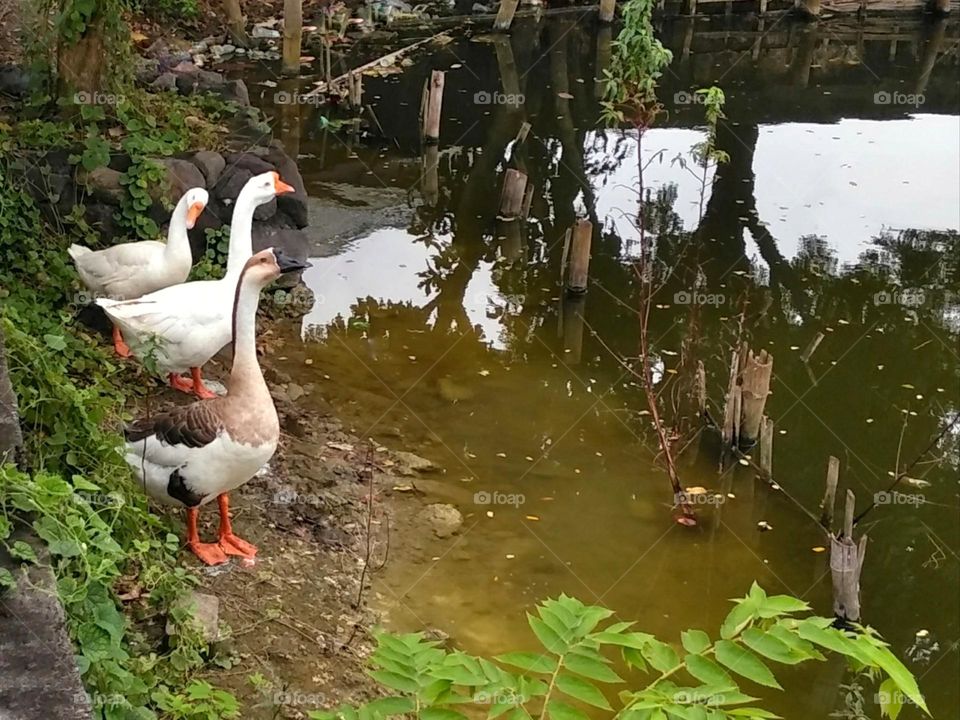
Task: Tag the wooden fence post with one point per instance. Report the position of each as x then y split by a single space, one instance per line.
579 271
292 36
434 106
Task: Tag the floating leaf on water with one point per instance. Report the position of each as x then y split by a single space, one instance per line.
744 461
916 482
412 358
483 373
456 66
528 458
565 95
668 352
308 361
774 486
922 633
869 421
919 396
731 496
404 488
532 518
490 513
686 520
818 549
764 526
345 447
509 556
783 432
908 386
879 367
576 471
843 322
501 455
794 347
672 371
695 490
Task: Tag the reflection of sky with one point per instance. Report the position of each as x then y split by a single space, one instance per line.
846 181
385 265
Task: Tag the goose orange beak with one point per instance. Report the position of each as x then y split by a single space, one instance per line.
193 212
280 186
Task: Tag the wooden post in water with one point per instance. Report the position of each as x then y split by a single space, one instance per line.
607 9
579 271
766 448
505 15
434 105
355 90
236 25
754 388
830 494
431 175
572 308
938 7
846 564
604 47
731 402
292 36
511 197
812 347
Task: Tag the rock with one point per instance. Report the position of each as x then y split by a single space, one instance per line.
293 204
481 9
205 611
410 464
211 164
148 70
104 185
295 392
292 241
249 161
181 176
265 211
443 519
102 218
14 81
263 33
231 183
167 82
192 80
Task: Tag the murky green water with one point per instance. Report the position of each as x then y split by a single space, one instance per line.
440 331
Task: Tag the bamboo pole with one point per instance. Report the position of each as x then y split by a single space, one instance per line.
431 122
579 271
812 347
607 10
846 564
754 389
508 9
292 36
236 25
731 404
830 494
511 197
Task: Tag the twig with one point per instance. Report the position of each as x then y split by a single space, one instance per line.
901 475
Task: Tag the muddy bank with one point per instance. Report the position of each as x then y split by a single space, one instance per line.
296 619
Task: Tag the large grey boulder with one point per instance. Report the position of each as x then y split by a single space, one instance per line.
293 204
181 176
211 164
104 186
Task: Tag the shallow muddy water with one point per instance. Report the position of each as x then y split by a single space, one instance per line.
441 331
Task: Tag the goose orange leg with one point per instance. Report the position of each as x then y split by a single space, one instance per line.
121 347
199 389
179 382
230 543
209 553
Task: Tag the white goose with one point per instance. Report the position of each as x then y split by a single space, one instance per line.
182 327
191 454
131 270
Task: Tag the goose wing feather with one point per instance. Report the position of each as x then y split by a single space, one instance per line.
104 269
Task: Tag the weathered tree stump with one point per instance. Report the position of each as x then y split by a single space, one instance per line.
846 564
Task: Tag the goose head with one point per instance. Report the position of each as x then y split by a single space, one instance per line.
267 265
192 204
264 187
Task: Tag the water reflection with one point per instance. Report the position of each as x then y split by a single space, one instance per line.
835 215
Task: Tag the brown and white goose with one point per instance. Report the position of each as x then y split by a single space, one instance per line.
192 454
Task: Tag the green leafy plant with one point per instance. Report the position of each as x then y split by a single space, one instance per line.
698 678
213 263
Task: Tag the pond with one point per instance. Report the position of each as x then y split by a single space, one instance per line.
438 329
